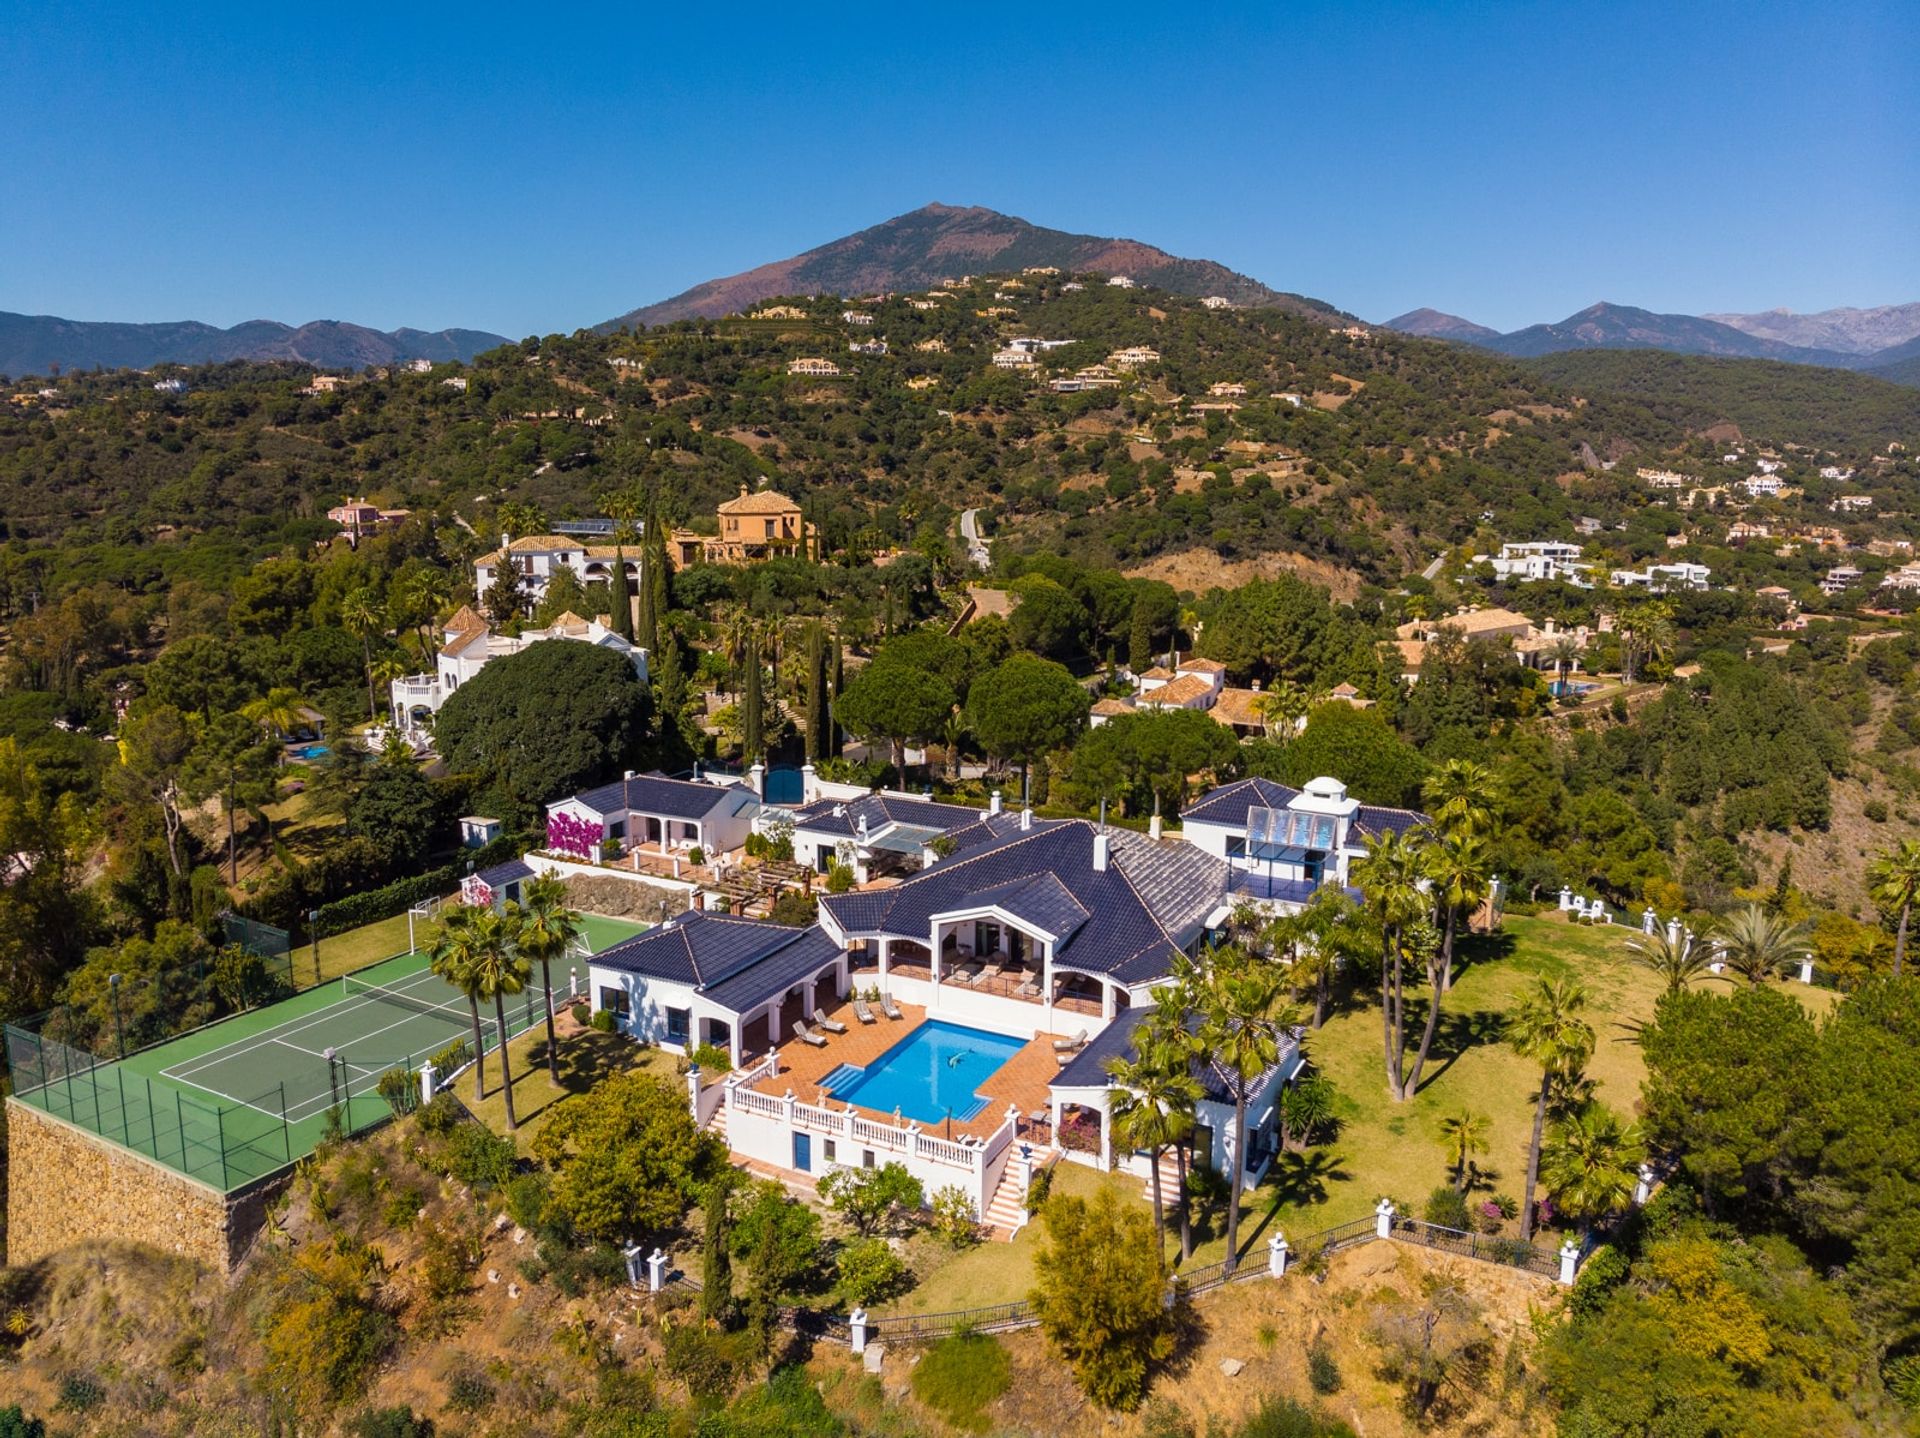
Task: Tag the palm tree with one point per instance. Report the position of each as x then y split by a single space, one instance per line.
499 969
1672 953
1757 945
279 711
1565 652
386 671
1461 873
453 958
548 930
1281 708
1152 1106
1895 877
1546 1028
1465 1134
1591 1163
1461 795
362 614
1243 1015
1165 1039
1389 882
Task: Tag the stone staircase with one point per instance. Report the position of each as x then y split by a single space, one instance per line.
1169 1180
717 1125
1007 1209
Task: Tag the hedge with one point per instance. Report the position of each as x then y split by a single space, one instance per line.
396 898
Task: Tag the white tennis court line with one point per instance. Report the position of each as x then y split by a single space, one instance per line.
180 1073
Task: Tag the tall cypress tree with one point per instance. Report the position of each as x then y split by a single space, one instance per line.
832 747
622 600
750 703
818 717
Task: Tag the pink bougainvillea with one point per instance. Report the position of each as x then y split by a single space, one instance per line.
567 834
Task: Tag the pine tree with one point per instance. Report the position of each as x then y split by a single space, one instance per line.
716 1263
1140 637
669 681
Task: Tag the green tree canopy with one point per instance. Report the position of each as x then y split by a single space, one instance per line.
543 723
1025 707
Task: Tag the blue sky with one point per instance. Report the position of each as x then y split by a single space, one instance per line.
536 169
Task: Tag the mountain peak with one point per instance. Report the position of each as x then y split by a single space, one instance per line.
939 243
1439 325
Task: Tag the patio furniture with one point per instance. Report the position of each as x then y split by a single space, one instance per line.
991 971
1029 990
807 1035
1072 1045
965 973
827 1025
889 1007
862 1012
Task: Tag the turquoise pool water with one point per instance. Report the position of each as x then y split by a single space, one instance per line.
929 1075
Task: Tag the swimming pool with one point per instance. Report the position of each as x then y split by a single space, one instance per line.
930 1075
309 752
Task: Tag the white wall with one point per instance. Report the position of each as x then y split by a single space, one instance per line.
994 1012
647 1003
1210 837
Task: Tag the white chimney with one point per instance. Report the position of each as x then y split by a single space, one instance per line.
993 802
1100 851
1026 818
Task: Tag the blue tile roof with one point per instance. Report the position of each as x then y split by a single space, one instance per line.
1230 802
736 962
505 873
833 816
1373 820
1088 1068
668 798
1041 900
1149 902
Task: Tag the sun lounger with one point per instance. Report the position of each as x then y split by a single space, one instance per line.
807 1035
1029 990
890 1008
827 1025
1072 1045
862 1012
991 971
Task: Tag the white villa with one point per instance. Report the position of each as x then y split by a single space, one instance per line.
652 811
1540 559
1282 844
534 560
1662 578
471 644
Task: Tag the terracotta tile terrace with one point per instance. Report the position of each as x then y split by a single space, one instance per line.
1021 1081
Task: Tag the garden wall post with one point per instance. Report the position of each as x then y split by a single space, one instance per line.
1383 1219
857 1329
1277 1255
656 1271
427 1077
1569 1261
1643 1190
693 1093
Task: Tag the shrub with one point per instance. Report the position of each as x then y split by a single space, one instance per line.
959 1376
1322 1372
1875 810
448 1256
1606 1268
1284 1418
711 1059
1164 1419
326 1330
604 1021
401 1089
953 1217
1038 1187
869 1272
696 855
469 1392
15 1424
840 878
79 1393
699 1358
582 1012
389 1423
440 1117
477 1156
872 1199
451 1059
1447 1207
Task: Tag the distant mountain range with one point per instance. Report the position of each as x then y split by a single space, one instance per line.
938 243
34 344
1883 341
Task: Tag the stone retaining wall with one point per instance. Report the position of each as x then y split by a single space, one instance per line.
68 1186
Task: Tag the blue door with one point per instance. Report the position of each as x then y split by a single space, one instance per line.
803 1153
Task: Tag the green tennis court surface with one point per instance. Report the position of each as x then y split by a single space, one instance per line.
242 1098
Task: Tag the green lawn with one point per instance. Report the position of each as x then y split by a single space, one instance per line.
370 943
586 1057
1386 1148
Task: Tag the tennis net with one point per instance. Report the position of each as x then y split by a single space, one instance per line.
454 1014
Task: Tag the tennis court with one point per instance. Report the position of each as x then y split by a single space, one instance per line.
244 1097
338 1053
